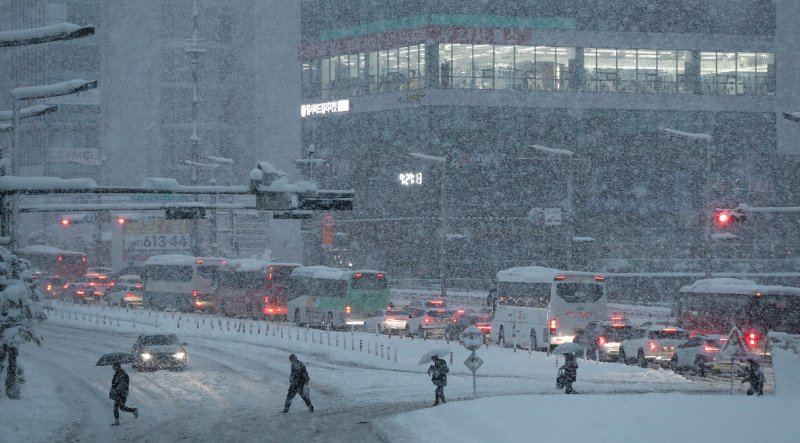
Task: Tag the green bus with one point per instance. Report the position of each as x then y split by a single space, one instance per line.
333 297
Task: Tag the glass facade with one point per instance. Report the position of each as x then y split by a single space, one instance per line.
541 68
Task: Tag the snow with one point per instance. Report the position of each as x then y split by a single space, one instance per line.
692 135
35 183
736 286
171 260
553 150
534 274
238 370
54 90
53 32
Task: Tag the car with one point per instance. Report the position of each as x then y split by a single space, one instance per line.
699 354
51 287
151 352
602 339
127 291
457 325
655 343
431 320
82 291
387 320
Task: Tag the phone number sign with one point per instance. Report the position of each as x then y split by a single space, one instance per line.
161 242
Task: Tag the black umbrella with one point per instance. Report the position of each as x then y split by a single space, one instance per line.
115 357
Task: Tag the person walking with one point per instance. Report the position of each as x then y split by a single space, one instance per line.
119 393
298 382
568 373
755 375
438 372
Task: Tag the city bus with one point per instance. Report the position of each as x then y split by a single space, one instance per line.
252 288
179 282
54 262
334 297
539 307
717 305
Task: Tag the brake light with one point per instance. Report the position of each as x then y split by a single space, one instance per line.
454 319
137 286
347 310
601 341
380 275
194 292
49 287
652 346
669 330
80 292
599 278
710 348
427 319
199 262
359 275
198 303
129 295
560 277
616 318
553 326
390 319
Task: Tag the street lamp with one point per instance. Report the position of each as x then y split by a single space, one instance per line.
708 213
61 31
30 111
442 219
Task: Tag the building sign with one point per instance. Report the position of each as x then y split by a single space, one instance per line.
251 233
324 108
410 178
405 37
74 155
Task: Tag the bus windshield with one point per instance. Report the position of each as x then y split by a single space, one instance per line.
317 287
369 282
579 292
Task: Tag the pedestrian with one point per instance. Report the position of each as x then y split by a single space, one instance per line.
298 384
119 393
755 375
568 373
438 372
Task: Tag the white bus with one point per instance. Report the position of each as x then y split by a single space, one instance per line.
324 296
179 282
537 307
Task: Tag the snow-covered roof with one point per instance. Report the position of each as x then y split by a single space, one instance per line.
735 286
44 249
329 273
254 265
536 274
171 260
12 183
54 90
706 137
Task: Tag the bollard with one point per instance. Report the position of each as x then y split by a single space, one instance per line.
305 335
381 351
395 355
179 324
329 338
451 359
197 323
360 345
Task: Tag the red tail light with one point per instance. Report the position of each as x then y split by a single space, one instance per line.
560 277
599 278
194 292
129 295
601 341
80 292
359 275
266 300
553 326
49 287
427 319
137 286
710 348
652 346
390 319
379 275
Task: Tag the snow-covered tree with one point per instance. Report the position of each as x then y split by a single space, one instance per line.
20 310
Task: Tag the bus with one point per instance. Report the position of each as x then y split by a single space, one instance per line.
179 282
717 305
54 262
335 297
539 307
252 288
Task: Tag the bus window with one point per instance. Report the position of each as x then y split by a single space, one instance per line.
369 282
533 295
207 271
239 280
579 292
169 273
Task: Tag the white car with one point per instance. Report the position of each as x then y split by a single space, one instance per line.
655 343
699 354
127 291
430 320
386 320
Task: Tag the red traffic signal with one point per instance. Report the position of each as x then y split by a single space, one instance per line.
724 217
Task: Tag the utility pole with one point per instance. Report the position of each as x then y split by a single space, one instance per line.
195 50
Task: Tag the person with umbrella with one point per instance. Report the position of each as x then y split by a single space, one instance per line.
568 373
119 393
438 373
755 375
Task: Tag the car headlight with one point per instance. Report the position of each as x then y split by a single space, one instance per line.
180 355
146 356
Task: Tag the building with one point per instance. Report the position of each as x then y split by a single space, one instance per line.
480 83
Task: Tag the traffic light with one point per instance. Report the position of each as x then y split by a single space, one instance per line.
724 217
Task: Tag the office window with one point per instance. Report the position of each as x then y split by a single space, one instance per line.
525 67
667 72
483 66
503 67
646 70
462 66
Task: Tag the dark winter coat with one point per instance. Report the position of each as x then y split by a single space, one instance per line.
439 372
119 385
299 376
571 368
754 375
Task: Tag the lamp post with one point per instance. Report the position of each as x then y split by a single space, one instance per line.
34 93
442 219
708 212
